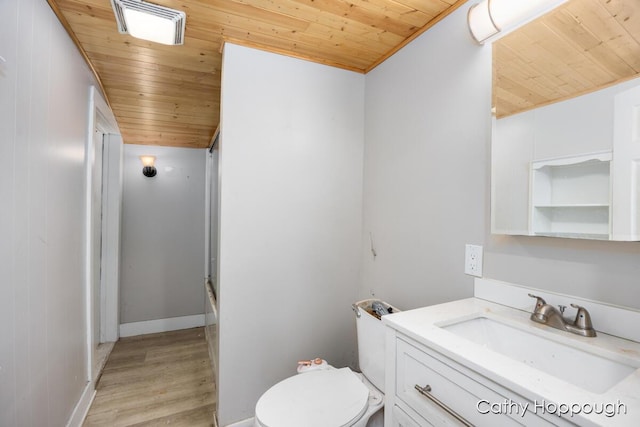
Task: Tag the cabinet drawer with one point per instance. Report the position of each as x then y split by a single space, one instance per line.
454 387
402 419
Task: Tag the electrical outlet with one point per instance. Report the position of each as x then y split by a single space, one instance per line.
473 260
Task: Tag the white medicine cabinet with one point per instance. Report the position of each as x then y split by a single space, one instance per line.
570 169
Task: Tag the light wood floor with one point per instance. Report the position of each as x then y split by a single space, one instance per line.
157 379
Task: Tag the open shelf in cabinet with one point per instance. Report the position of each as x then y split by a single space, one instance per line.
571 196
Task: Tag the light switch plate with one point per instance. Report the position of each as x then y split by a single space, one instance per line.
473 260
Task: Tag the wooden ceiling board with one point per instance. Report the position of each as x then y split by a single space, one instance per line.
627 14
329 22
580 47
557 67
170 95
599 36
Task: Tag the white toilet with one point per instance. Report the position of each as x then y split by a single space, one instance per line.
331 397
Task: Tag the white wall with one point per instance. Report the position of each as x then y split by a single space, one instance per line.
426 155
290 221
602 271
44 98
427 187
163 223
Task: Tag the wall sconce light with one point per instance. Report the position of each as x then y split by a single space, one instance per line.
148 21
490 17
148 168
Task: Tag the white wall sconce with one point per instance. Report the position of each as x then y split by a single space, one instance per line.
148 21
490 17
148 166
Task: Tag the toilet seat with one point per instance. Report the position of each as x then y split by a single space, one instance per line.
324 398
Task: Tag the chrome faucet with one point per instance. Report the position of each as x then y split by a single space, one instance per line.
547 314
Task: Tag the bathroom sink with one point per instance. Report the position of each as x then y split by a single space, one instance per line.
588 371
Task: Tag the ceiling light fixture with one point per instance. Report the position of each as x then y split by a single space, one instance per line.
148 168
149 21
490 17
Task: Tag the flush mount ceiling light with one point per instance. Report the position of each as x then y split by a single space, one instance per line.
148 21
489 17
148 168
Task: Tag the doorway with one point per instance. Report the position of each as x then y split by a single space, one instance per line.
212 209
100 349
102 230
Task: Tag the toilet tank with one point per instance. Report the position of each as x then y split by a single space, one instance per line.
371 347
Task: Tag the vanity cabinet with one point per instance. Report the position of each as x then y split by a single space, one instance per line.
401 419
451 395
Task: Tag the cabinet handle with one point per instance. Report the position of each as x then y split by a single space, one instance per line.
425 391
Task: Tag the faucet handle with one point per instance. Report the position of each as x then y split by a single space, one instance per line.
583 319
539 301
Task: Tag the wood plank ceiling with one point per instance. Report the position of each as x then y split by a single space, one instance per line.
170 95
580 47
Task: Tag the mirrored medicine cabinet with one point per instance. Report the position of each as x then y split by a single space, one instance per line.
565 153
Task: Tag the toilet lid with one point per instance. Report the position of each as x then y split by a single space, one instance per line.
324 398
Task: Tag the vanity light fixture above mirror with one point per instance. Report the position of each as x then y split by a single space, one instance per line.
490 17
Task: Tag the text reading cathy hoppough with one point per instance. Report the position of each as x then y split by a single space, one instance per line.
510 407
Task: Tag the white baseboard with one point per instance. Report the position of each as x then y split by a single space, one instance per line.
244 423
161 325
82 407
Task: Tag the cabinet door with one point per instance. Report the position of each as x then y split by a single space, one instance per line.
626 167
511 154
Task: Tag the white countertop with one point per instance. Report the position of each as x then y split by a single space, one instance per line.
424 326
